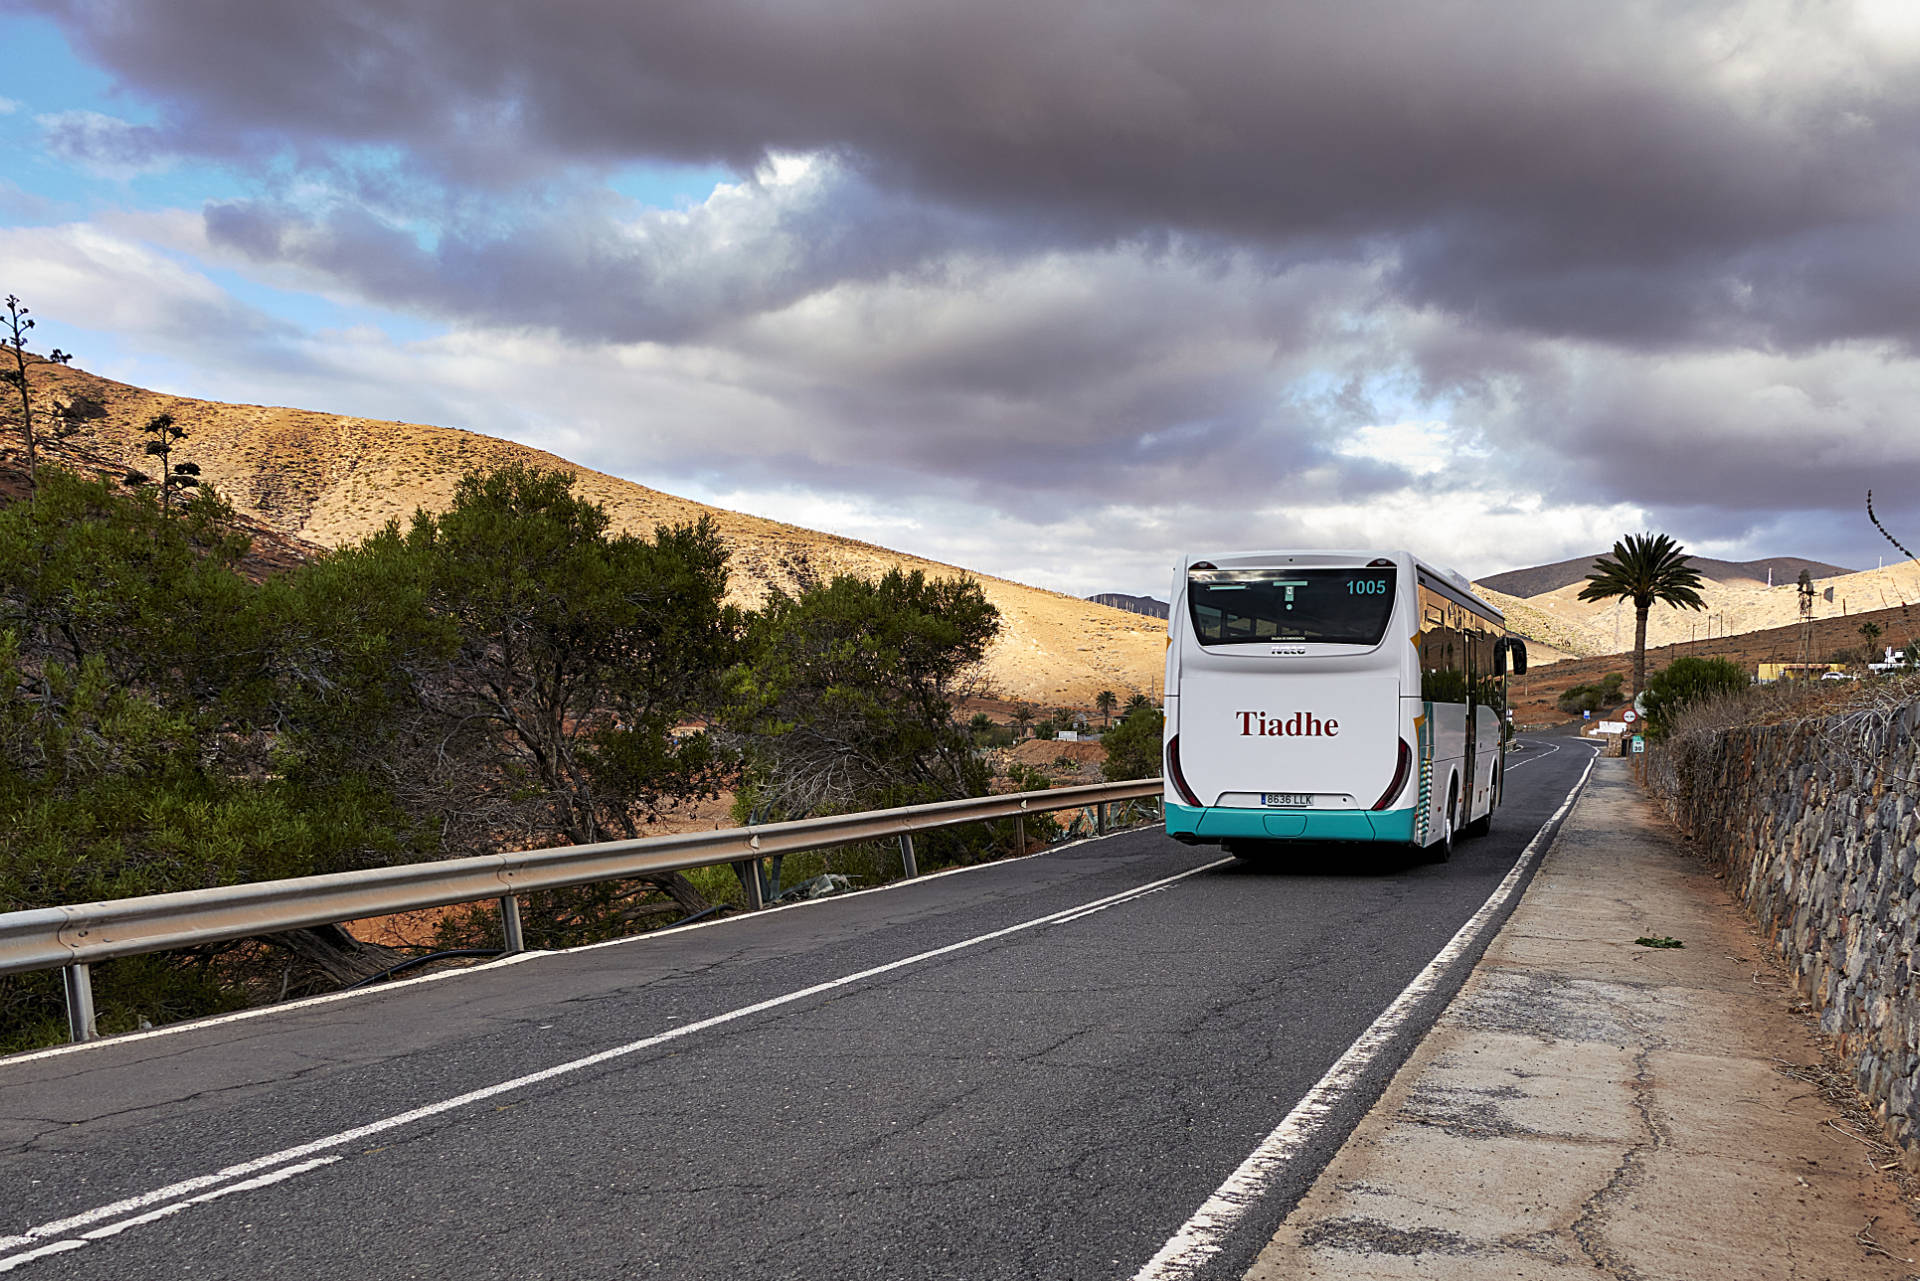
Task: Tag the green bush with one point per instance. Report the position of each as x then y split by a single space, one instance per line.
1686 681
1604 692
508 671
1133 746
152 738
845 702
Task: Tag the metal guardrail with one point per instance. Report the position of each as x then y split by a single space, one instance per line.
73 937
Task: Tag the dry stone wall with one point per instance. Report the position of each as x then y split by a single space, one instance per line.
1818 827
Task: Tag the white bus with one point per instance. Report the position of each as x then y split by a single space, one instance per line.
1333 696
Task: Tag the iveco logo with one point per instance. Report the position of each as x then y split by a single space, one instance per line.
1288 649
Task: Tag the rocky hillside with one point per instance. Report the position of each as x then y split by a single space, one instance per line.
328 479
271 552
1146 606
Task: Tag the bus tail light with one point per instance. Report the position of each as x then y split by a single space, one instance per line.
1400 772
1175 773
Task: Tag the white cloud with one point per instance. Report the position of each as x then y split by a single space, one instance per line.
90 278
1421 448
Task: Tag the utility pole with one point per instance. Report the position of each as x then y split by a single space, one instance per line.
1806 621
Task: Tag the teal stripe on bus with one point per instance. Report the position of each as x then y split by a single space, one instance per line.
1222 823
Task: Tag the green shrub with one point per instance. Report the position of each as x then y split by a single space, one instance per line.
1133 746
1604 692
1686 681
845 702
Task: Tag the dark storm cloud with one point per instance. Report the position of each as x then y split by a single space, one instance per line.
1731 444
1660 255
1566 167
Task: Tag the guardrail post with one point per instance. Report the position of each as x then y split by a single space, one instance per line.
80 1002
907 863
1019 833
510 932
1100 819
749 870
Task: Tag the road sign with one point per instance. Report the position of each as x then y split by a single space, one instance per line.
1629 716
1586 715
1639 743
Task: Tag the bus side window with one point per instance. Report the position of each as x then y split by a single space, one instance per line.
1490 685
1443 677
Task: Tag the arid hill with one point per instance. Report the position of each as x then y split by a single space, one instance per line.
1557 623
331 479
270 551
1828 638
1145 605
1537 580
1733 607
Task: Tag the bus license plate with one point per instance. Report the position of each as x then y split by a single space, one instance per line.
1289 800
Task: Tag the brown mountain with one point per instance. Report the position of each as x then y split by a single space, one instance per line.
330 479
1538 580
1735 606
1149 606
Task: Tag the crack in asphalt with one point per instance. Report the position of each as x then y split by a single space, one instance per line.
213 1091
1625 1176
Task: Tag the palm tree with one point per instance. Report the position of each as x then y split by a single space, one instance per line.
1137 702
1022 717
1104 702
1644 568
1870 633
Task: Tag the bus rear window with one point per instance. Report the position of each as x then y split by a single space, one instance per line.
1262 606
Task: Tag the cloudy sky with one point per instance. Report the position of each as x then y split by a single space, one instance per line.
1051 290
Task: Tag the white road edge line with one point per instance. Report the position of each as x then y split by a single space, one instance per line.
1201 1237
174 1191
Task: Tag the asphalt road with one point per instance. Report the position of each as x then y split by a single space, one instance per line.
1051 1100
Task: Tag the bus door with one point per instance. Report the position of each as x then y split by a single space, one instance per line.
1470 635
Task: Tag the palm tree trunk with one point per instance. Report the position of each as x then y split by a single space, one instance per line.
1640 648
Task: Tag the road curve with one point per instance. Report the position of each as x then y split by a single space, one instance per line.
1038 1068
